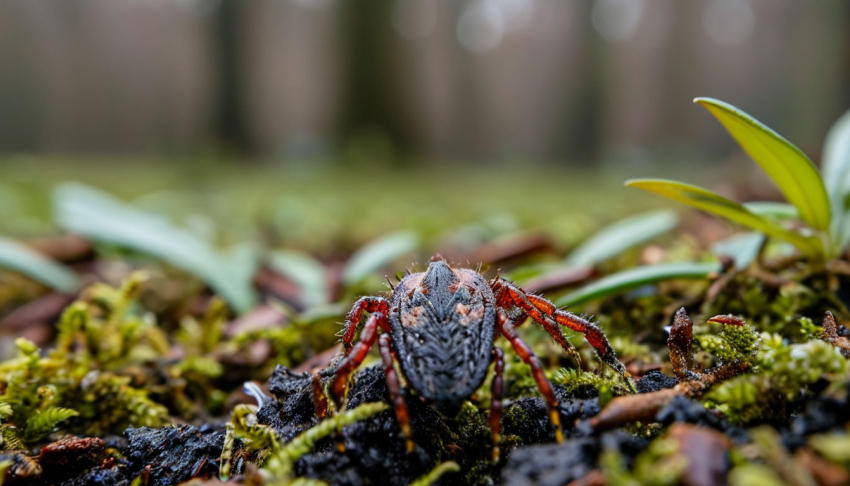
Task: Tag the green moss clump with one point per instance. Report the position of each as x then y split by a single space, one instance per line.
781 372
108 370
809 329
608 384
659 465
731 344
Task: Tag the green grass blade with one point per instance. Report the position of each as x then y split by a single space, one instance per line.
378 253
775 210
621 236
791 170
637 277
743 248
836 160
103 218
307 272
26 261
716 204
836 175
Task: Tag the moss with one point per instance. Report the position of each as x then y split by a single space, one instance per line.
809 329
781 372
629 350
659 465
732 343
608 385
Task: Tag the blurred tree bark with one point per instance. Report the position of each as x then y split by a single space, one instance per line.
230 130
371 97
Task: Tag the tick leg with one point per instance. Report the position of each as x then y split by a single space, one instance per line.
320 401
592 333
496 402
527 356
353 359
368 304
394 387
516 297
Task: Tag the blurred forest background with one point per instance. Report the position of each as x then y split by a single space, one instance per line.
404 81
322 124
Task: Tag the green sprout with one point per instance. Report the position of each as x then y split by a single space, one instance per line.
818 204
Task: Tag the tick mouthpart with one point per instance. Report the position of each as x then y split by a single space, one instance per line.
437 258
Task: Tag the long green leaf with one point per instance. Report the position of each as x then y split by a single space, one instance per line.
791 170
637 277
743 248
716 204
378 253
775 210
23 259
308 273
618 237
101 217
836 174
836 159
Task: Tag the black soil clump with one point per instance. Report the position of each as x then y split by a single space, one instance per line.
174 454
292 411
683 409
654 381
527 419
821 415
375 450
110 476
560 464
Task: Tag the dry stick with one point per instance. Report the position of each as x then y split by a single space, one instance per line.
645 407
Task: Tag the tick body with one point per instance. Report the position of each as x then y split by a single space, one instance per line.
441 326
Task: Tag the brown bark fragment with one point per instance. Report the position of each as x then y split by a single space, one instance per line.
593 478
645 407
706 452
830 335
824 472
680 342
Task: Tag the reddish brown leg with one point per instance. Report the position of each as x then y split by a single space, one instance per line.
527 356
394 387
320 401
513 296
544 309
353 359
496 402
368 304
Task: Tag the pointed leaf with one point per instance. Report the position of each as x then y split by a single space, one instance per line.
618 237
637 277
304 270
775 210
836 174
718 205
101 217
24 260
791 170
378 253
836 161
743 248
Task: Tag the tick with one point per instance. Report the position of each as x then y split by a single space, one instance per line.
441 326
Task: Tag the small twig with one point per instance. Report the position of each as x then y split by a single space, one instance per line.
645 407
